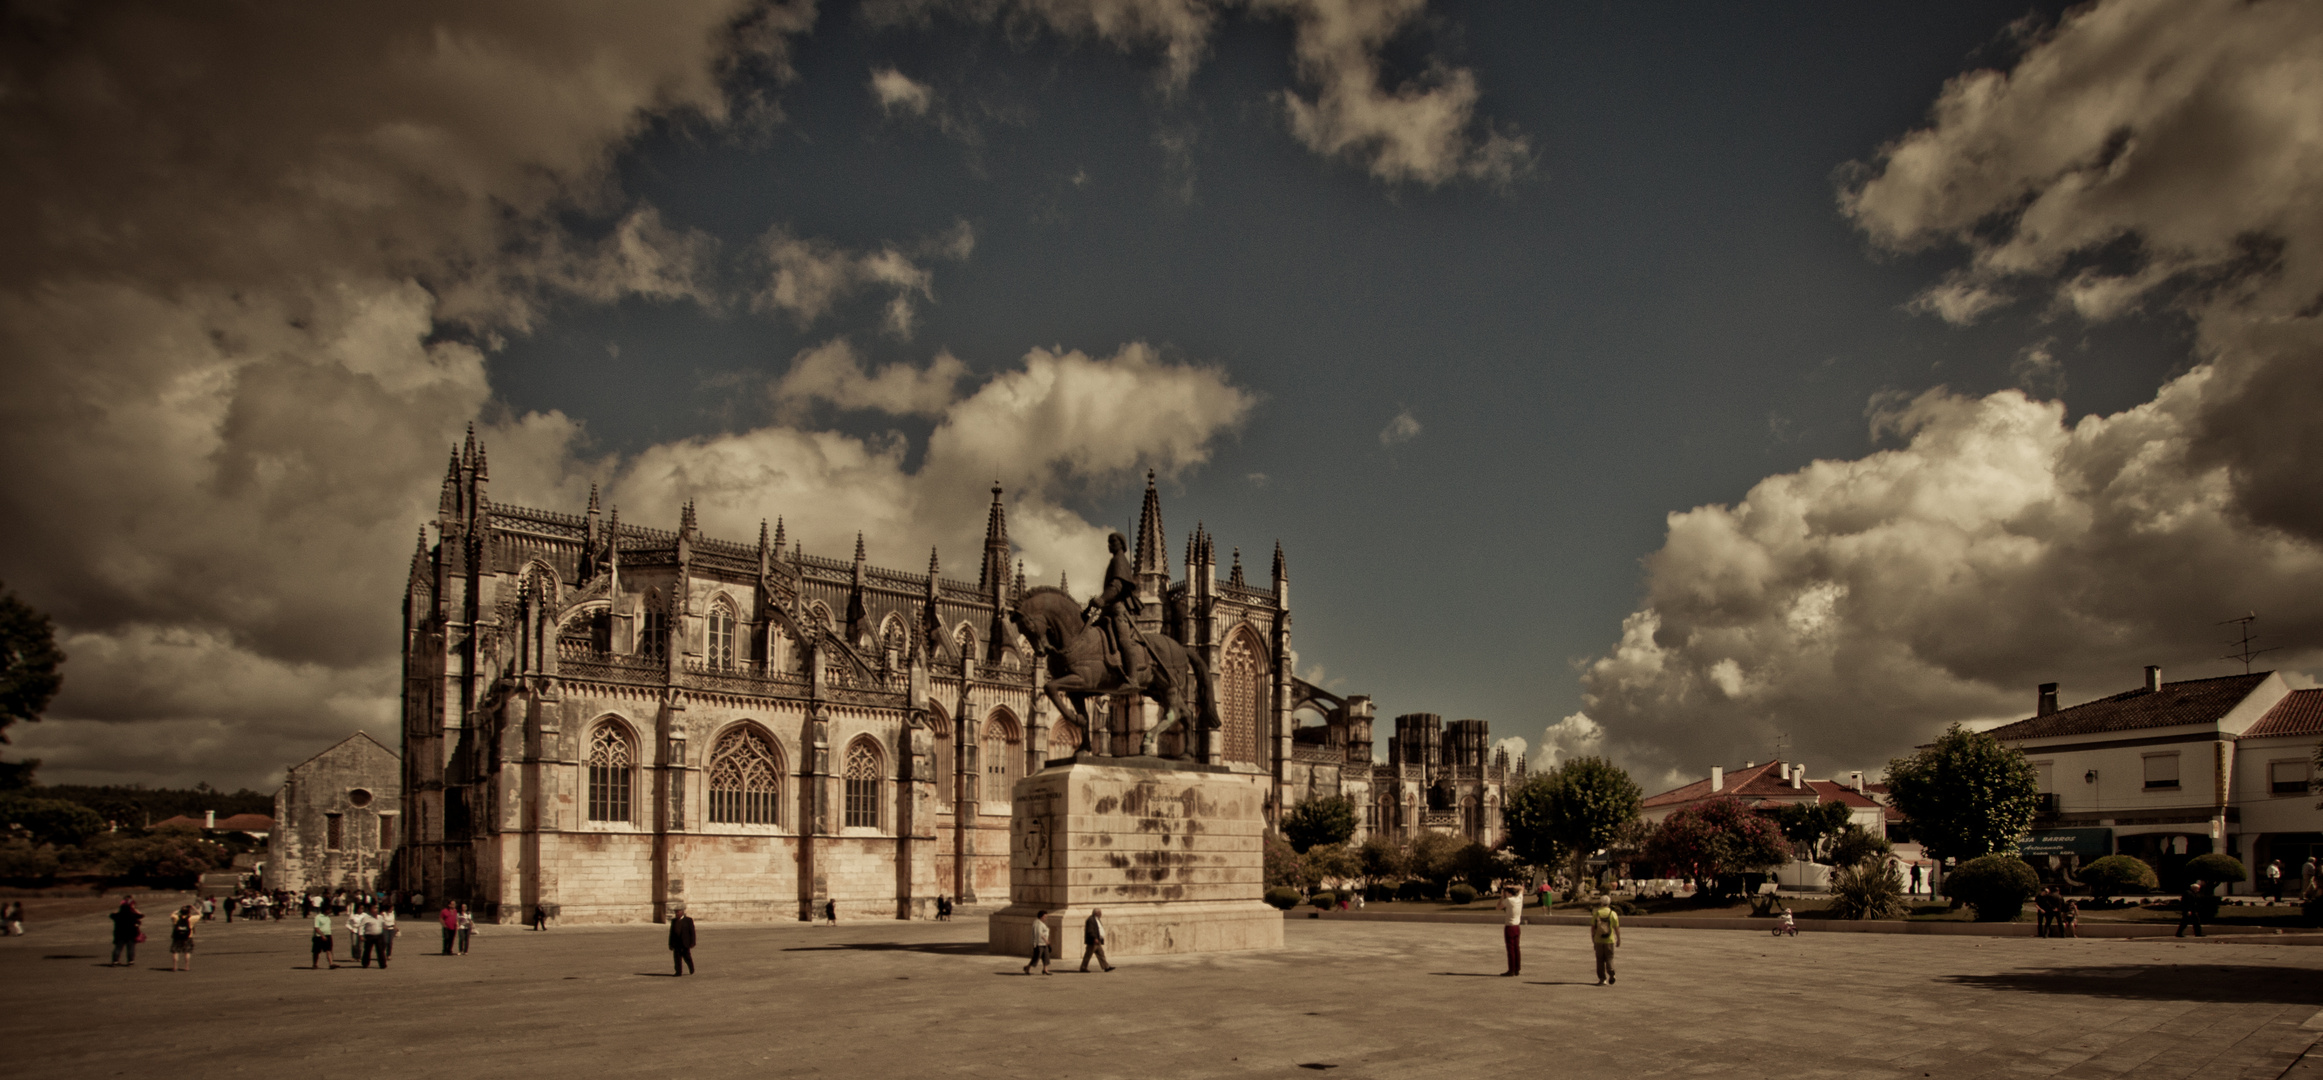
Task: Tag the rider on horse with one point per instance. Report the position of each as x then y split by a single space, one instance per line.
1113 611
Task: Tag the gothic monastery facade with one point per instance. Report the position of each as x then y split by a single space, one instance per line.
607 720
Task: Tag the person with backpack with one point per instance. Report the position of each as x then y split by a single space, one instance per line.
1604 937
181 939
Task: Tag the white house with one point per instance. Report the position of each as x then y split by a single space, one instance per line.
2168 771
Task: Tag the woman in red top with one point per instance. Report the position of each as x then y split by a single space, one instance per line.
451 921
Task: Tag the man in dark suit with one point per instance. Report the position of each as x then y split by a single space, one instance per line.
1093 940
681 941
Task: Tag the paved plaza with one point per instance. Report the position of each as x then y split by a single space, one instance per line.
888 999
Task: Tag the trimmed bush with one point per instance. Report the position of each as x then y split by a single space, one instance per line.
1996 886
1461 894
2117 875
1282 896
1382 893
1866 890
2216 869
1325 900
1417 889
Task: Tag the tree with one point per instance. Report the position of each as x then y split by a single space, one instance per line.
1966 795
50 821
1381 860
1805 825
1854 844
29 678
1996 886
1283 865
1715 840
1324 819
1430 856
1327 863
1570 813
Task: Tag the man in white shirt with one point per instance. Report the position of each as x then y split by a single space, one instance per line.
1512 912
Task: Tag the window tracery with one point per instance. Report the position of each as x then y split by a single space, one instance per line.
612 758
745 780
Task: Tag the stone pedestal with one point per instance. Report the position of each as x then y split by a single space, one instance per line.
1172 852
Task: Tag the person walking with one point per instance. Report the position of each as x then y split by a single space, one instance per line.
321 951
126 935
831 912
2307 879
450 919
1040 943
374 930
467 928
384 914
943 908
1093 940
1604 937
681 941
540 916
2045 912
2275 881
181 939
228 904
1915 880
1512 910
2190 908
209 908
14 918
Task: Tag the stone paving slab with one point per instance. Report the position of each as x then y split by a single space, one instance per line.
1364 999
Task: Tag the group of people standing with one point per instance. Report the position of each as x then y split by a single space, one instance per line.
370 936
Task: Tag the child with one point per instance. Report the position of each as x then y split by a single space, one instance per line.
1788 925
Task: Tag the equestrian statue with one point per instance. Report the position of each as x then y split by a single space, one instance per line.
1098 651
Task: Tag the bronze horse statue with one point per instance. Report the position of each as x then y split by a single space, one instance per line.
1051 619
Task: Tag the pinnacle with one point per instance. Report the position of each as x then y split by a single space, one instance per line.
934 565
592 498
858 547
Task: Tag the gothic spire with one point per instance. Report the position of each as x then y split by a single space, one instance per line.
996 555
935 565
1153 556
1019 577
686 523
482 473
1062 584
419 557
859 549
778 538
593 498
1278 567
1237 576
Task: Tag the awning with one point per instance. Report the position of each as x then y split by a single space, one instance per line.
2067 842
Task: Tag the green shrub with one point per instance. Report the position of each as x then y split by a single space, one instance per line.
2216 869
1461 894
1325 900
21 859
1381 893
1417 889
1997 886
1866 890
1283 896
2117 875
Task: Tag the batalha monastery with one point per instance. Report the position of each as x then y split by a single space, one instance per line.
607 720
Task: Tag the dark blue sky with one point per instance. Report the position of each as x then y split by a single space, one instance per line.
1666 310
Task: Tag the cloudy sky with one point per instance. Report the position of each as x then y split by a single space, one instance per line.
1679 381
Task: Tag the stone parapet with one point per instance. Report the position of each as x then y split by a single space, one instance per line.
1171 852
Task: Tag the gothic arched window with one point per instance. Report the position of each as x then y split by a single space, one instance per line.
745 780
655 640
612 762
862 785
1064 739
945 763
721 633
964 637
1241 696
1000 756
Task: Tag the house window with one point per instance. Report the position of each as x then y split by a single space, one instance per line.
2287 777
610 759
387 824
862 786
2161 772
334 831
745 782
721 634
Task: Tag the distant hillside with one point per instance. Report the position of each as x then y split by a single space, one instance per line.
141 806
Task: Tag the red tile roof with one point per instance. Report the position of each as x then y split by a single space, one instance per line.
1764 786
2299 713
246 823
1834 791
2195 701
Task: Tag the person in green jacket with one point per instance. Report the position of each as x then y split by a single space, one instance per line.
1605 936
